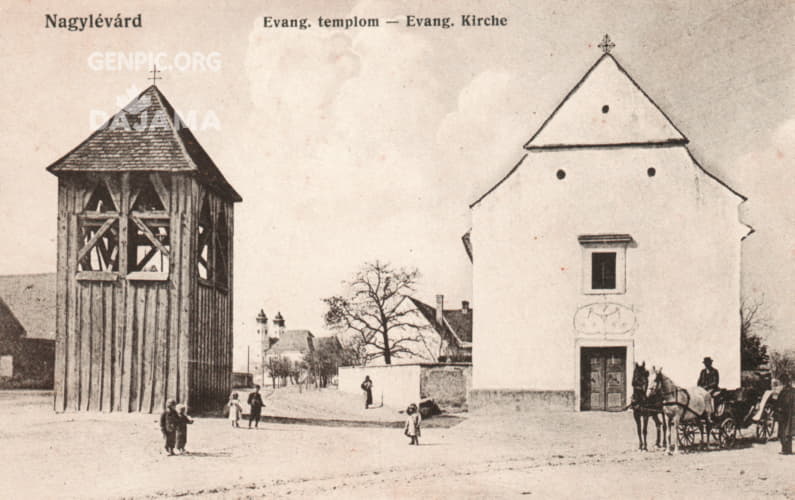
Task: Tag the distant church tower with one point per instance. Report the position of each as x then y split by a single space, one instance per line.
264 345
278 323
144 291
262 325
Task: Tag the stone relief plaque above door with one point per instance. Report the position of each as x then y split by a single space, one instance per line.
604 318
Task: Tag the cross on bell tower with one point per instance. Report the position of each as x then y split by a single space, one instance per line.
154 76
606 45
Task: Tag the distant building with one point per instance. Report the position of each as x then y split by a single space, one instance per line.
277 341
428 334
453 326
292 344
27 330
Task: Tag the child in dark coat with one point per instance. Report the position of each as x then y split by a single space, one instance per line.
168 425
182 428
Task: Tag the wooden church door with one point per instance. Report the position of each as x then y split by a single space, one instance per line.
602 378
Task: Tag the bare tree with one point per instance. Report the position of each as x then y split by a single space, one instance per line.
354 352
375 310
754 323
279 369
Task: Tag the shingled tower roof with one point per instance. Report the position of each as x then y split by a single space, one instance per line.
146 135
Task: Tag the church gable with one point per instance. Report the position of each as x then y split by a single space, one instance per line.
606 108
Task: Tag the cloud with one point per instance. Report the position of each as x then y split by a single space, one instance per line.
485 134
765 176
344 129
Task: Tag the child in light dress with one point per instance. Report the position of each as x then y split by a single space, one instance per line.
412 428
235 410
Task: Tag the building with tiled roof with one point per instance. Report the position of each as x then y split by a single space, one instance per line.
454 327
292 344
31 297
27 330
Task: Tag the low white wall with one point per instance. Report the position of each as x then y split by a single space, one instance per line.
395 385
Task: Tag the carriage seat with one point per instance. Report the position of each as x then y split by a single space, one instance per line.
721 396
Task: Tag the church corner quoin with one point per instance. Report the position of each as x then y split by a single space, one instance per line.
145 268
605 245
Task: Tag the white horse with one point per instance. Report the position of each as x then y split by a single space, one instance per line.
681 405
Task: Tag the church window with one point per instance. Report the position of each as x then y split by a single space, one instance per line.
603 270
651 172
605 108
561 174
604 262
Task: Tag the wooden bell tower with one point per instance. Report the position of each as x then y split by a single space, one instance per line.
144 294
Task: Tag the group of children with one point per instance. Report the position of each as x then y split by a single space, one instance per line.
255 405
174 426
174 422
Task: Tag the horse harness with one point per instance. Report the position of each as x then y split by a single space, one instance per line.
676 402
646 407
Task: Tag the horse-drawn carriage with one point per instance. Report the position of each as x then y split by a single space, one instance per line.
735 410
685 411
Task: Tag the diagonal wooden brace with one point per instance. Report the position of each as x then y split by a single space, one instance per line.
151 237
93 241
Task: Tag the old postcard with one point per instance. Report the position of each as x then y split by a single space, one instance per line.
391 249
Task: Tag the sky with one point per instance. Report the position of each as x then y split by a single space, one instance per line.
354 145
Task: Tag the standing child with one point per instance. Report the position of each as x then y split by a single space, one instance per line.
168 425
412 428
182 427
235 410
255 407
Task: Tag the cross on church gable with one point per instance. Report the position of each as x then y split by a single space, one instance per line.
606 44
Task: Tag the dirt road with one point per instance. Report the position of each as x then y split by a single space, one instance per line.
540 455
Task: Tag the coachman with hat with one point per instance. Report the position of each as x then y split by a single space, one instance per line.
709 377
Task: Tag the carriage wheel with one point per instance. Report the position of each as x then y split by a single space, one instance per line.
687 435
766 426
728 433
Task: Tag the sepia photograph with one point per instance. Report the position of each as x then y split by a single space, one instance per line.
388 249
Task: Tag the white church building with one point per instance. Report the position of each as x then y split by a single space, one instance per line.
606 244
